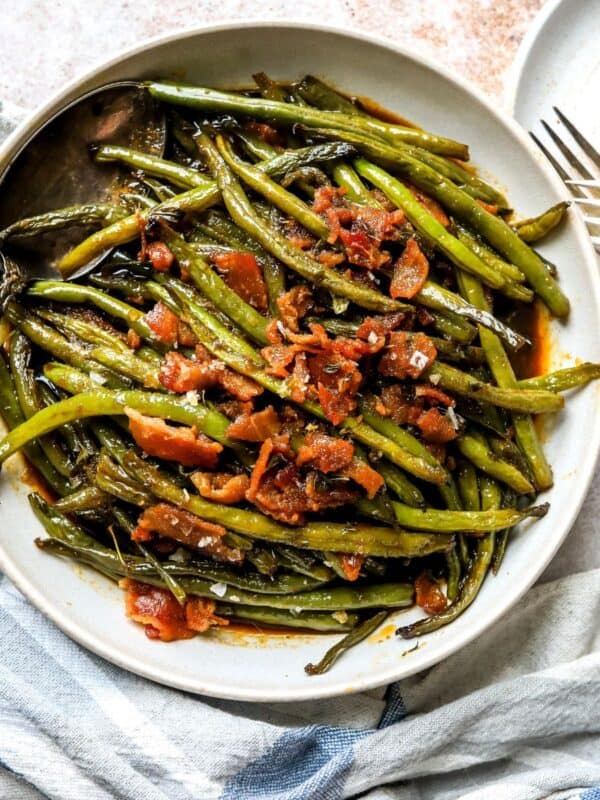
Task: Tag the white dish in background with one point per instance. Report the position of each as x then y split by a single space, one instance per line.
250 667
558 64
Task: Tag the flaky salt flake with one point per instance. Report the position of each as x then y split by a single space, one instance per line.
435 379
97 377
418 360
340 616
192 397
454 418
372 338
180 556
220 589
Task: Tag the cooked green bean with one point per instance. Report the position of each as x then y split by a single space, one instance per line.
534 229
485 460
91 213
432 520
357 635
563 379
178 175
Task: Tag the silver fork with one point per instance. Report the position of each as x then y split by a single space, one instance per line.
585 185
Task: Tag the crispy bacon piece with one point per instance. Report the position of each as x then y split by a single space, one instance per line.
281 495
300 379
180 444
156 609
278 357
185 335
163 323
255 427
326 197
325 453
332 494
134 340
181 374
338 380
436 427
161 257
200 614
241 273
259 469
239 386
365 476
395 404
293 306
362 250
236 408
351 564
434 395
330 258
410 271
428 594
431 205
407 356
380 326
489 207
222 487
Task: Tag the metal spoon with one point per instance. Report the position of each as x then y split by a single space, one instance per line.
54 169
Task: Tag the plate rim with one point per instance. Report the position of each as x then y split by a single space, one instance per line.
84 635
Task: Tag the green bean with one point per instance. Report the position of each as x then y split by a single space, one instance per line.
347 178
284 113
453 327
280 164
483 458
397 481
504 375
216 290
113 480
534 229
487 255
244 215
338 622
357 635
436 297
453 573
13 417
64 292
485 415
276 195
468 486
31 402
129 365
359 538
527 401
564 379
126 230
183 177
90 213
469 589
303 563
255 146
432 520
71 325
317 93
82 499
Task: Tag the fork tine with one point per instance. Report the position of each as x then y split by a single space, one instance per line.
587 148
575 190
592 184
567 153
588 201
591 220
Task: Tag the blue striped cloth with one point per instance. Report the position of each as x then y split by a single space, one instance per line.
513 716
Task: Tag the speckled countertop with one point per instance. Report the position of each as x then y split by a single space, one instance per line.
47 42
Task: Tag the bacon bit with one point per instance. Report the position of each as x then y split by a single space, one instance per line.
327 196
161 257
351 564
410 271
175 523
314 341
222 487
489 207
241 273
268 134
185 335
260 467
338 380
332 495
424 317
255 427
431 205
407 356
362 250
200 614
428 594
133 339
273 333
436 427
181 374
235 408
163 323
300 378
156 609
300 241
398 406
433 395
325 453
294 305
180 444
365 476
330 258
239 386
278 357
380 326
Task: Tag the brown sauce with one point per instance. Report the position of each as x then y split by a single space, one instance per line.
532 321
32 478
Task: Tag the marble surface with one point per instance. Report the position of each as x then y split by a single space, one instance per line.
44 44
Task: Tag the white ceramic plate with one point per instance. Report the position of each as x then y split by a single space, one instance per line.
558 64
254 667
